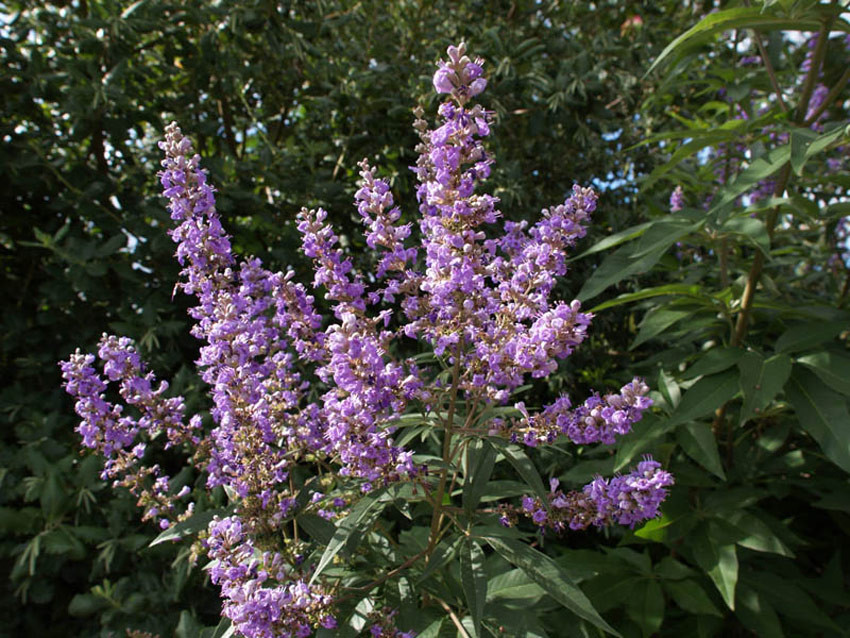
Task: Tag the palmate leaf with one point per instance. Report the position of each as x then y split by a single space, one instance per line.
546 573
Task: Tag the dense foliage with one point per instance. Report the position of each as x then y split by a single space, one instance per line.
283 101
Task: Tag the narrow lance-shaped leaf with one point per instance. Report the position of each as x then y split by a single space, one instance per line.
822 413
831 367
474 581
749 17
698 441
359 517
546 573
190 526
482 458
718 560
761 380
705 396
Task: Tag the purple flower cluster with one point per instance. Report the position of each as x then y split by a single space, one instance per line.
260 595
382 625
677 200
626 500
290 388
110 429
600 419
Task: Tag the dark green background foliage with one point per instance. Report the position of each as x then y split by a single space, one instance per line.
282 101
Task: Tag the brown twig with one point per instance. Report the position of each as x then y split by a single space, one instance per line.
453 616
381 579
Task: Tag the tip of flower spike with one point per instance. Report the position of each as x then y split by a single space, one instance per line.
460 76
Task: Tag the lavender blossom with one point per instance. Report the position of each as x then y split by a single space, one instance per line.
677 200
292 389
625 499
600 419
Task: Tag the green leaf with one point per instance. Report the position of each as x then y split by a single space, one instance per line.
705 396
791 600
653 529
826 140
188 626
360 517
546 573
757 614
83 605
474 581
719 561
822 413
800 140
715 360
638 257
514 584
657 320
432 630
223 630
522 464
698 441
746 17
831 368
192 525
443 553
318 528
760 169
639 439
761 381
691 597
669 568
807 335
615 240
752 229
670 289
482 458
646 607
759 537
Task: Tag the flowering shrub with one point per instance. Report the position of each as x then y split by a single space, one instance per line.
316 419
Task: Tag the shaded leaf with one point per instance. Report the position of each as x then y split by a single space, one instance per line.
474 581
705 396
719 561
761 380
698 441
832 368
757 614
482 458
822 413
691 597
546 573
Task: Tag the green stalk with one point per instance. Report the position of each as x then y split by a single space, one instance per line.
437 516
